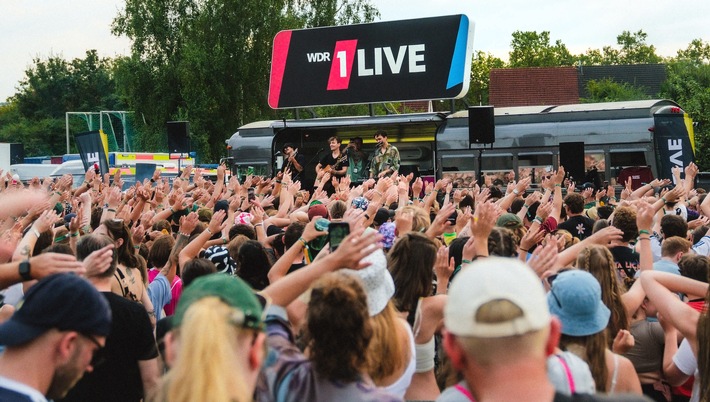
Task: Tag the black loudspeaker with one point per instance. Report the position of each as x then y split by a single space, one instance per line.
481 125
178 136
17 154
572 158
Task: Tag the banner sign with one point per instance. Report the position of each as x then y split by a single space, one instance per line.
428 58
91 150
673 142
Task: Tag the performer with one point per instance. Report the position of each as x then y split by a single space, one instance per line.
335 163
386 160
294 161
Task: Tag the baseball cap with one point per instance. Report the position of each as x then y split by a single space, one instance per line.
317 210
510 221
377 282
576 299
382 216
66 302
492 279
231 290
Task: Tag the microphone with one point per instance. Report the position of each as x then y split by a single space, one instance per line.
320 150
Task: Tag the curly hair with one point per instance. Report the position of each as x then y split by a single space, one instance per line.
625 220
338 329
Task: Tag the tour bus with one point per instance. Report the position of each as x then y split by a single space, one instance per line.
651 134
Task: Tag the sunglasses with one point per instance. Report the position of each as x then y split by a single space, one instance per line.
97 358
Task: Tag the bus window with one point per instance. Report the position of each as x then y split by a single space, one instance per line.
595 160
455 163
536 166
628 158
497 169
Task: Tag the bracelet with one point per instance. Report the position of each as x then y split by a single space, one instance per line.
558 185
367 217
644 231
111 210
278 181
644 238
75 234
522 249
183 234
36 232
526 206
664 199
137 247
538 220
466 261
160 206
303 241
208 231
224 240
515 191
172 210
259 224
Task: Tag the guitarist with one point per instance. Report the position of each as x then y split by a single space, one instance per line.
335 163
294 161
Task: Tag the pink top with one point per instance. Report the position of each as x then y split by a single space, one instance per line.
175 289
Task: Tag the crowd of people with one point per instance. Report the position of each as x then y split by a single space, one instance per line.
236 291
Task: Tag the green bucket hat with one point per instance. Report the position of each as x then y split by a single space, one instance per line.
231 290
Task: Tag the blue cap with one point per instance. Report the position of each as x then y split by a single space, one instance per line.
66 302
576 299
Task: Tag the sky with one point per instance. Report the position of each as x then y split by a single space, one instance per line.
32 29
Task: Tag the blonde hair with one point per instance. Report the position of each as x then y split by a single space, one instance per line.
384 342
420 219
208 366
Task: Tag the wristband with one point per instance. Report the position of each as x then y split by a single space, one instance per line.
259 224
515 191
208 231
526 206
111 210
522 249
538 220
224 240
75 234
644 238
137 247
36 232
644 231
303 241
466 261
664 199
558 185
183 234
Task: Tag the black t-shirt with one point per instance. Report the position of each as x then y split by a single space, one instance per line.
336 164
626 261
579 226
295 174
600 398
131 339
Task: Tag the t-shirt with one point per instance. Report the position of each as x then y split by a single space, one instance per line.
335 164
13 391
626 261
159 294
118 378
175 290
687 363
702 247
295 174
579 226
288 376
647 353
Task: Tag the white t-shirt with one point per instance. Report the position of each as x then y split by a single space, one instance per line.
687 363
702 247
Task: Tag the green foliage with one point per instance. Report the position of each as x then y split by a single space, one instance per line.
481 67
688 84
532 49
608 90
35 115
632 50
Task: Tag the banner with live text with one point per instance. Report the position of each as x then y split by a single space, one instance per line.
92 151
421 59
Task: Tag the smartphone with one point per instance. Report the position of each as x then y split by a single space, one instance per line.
250 194
337 231
452 218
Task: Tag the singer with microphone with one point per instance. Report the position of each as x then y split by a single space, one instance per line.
294 161
385 162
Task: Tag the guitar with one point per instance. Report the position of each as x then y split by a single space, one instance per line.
290 164
331 168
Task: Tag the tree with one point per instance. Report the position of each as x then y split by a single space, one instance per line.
52 87
532 49
688 84
208 61
633 50
481 67
608 90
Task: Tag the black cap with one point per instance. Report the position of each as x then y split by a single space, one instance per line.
66 302
382 215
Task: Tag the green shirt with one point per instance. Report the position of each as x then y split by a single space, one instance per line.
382 161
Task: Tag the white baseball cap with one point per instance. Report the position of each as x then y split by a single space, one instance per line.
490 279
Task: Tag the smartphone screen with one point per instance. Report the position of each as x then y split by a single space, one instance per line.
250 194
337 231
